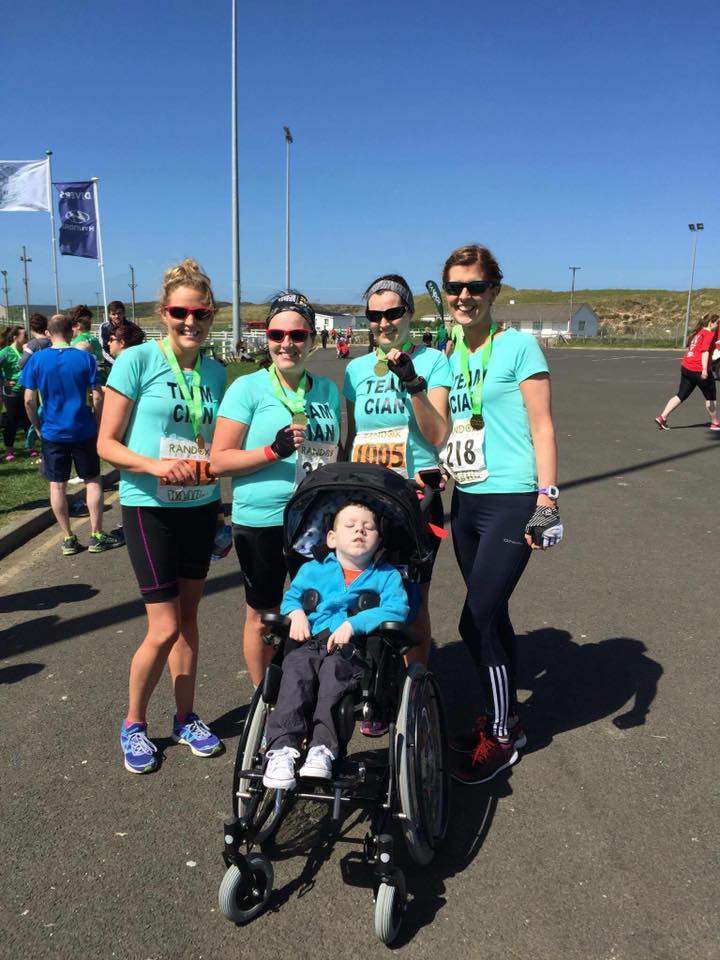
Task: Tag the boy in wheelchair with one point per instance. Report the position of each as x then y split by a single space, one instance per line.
318 673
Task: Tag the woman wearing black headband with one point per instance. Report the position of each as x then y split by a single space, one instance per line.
397 404
272 426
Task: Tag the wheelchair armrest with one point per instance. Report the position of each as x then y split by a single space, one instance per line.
278 628
397 633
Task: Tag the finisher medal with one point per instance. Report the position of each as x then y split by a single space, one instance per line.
477 421
299 420
380 368
200 441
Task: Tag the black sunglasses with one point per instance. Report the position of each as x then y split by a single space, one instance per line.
393 314
297 336
201 314
474 287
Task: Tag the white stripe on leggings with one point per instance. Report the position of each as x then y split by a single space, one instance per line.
499 683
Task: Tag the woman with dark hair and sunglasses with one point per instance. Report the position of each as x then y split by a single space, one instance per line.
397 407
161 402
503 458
273 426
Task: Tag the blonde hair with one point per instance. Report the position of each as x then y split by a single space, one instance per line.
189 273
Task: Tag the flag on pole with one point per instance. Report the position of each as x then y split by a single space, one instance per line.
24 186
78 219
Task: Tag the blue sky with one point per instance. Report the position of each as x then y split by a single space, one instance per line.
557 133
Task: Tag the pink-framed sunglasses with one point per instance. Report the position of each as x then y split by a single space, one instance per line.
201 314
297 336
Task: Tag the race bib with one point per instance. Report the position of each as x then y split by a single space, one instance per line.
463 456
386 448
310 456
174 448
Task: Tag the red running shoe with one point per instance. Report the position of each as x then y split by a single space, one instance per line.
487 760
466 742
662 422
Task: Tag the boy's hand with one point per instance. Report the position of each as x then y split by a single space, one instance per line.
341 636
299 626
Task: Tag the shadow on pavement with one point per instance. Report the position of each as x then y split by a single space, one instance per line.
20 671
45 598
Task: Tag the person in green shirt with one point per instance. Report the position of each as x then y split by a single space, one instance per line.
81 317
12 391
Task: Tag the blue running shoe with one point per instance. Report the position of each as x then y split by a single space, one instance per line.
139 751
197 735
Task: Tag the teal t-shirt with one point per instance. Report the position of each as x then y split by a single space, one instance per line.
160 423
259 498
381 402
508 450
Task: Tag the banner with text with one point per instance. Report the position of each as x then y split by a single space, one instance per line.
78 222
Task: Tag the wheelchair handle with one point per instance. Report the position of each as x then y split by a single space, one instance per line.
279 628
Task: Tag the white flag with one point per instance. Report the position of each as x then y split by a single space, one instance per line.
24 185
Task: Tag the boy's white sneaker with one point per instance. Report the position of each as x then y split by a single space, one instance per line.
280 769
318 763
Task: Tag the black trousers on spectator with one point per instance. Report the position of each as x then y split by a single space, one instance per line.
15 416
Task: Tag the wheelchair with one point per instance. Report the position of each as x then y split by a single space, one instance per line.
406 788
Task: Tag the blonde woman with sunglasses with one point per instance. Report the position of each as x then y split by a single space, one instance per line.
273 426
159 413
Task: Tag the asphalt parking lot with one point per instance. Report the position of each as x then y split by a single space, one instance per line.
600 845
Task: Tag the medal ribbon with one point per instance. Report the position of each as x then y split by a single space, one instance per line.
476 392
193 398
294 405
406 347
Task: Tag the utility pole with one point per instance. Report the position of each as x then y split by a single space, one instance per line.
25 260
5 289
132 286
288 141
572 295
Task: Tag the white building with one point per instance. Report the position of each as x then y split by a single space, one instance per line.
549 319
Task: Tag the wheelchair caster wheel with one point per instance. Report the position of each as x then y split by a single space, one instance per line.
389 909
242 901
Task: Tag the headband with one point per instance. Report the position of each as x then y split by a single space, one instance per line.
295 302
399 288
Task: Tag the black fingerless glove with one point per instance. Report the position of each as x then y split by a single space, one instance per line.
404 370
545 527
283 445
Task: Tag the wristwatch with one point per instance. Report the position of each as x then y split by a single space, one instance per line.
550 491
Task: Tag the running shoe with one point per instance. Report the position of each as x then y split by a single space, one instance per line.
662 422
223 542
318 763
197 735
100 542
715 425
466 742
33 453
487 760
70 546
139 752
373 728
9 456
280 770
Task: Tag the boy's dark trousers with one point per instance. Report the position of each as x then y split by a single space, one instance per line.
310 672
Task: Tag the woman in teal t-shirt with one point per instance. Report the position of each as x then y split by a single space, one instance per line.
397 407
502 455
12 391
159 413
273 426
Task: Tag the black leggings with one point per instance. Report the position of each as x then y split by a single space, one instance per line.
488 532
15 417
689 379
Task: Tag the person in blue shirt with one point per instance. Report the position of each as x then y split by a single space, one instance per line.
161 402
65 378
503 458
315 676
273 426
397 410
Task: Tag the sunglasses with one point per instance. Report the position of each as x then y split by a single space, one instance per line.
277 336
201 314
393 314
474 287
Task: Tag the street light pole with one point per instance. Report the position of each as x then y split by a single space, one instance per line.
25 260
132 286
234 159
695 229
5 289
288 141
572 295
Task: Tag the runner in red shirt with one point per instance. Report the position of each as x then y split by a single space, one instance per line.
695 372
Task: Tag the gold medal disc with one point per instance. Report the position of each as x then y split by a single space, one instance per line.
200 441
380 368
299 420
476 421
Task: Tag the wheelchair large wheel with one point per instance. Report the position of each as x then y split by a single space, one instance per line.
422 769
242 902
263 807
389 910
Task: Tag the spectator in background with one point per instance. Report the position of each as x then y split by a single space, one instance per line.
15 416
63 376
128 335
323 337
116 318
39 339
81 319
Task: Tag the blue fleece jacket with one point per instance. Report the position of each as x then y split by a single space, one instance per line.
336 599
